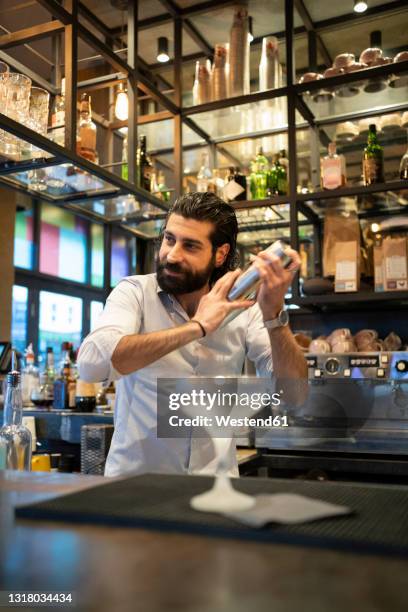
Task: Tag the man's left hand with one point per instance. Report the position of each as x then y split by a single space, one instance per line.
275 281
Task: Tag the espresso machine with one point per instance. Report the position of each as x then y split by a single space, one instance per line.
356 403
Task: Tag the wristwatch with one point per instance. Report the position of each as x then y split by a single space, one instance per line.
280 321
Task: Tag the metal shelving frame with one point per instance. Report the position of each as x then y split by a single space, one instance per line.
69 17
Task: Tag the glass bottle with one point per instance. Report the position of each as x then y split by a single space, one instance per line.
204 175
86 140
281 177
15 439
47 380
64 386
58 118
241 180
30 378
164 193
144 165
373 158
404 166
125 167
332 169
259 176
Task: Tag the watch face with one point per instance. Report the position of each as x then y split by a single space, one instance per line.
283 317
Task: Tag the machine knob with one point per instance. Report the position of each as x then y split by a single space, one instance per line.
332 365
401 365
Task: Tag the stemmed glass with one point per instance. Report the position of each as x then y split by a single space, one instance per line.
15 100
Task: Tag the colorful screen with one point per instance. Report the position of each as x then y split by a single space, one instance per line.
62 244
23 239
60 320
97 255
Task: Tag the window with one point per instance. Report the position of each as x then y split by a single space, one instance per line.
120 261
23 239
60 320
97 255
63 244
96 310
19 317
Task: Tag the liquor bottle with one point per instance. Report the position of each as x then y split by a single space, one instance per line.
164 193
404 166
15 439
373 158
125 167
85 398
58 118
64 386
86 140
235 186
281 177
204 175
144 165
259 176
30 378
332 169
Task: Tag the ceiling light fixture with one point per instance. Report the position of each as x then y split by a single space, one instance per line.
122 104
250 31
163 50
360 6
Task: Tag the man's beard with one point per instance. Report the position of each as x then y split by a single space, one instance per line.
186 281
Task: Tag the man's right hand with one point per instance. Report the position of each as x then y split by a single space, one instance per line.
214 306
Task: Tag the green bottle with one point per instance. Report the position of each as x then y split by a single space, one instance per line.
281 177
373 159
259 176
125 167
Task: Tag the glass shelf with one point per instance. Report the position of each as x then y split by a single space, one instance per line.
385 199
340 102
245 119
160 135
60 182
146 229
122 208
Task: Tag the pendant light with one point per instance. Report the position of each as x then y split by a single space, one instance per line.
122 104
360 6
163 50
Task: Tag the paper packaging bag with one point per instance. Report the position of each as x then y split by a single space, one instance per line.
339 226
347 267
378 268
395 264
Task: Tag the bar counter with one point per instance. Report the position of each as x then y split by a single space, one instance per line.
123 569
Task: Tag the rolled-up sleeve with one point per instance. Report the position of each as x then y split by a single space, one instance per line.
258 344
121 317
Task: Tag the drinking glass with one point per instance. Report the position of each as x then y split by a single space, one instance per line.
15 104
37 120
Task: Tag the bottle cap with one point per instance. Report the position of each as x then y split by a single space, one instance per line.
372 127
13 377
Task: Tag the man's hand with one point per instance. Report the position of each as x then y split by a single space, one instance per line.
275 281
214 306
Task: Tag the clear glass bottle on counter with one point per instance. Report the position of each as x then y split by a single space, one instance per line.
15 439
64 385
44 396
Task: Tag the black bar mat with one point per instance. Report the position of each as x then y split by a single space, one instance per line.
379 523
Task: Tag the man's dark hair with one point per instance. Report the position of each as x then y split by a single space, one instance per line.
208 207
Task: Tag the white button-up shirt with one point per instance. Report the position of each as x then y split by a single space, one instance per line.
138 306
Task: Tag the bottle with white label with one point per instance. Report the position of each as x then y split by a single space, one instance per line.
333 169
